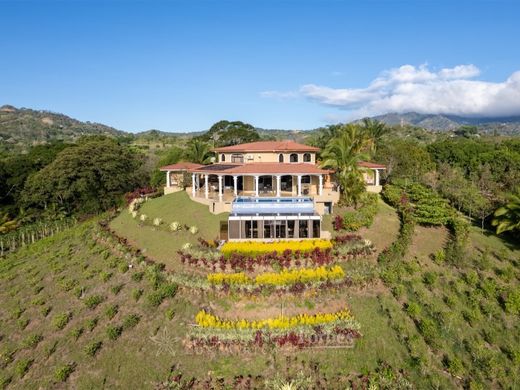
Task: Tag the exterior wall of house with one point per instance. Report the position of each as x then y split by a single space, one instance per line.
255 157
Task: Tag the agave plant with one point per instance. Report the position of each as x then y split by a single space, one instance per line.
157 221
174 226
143 217
194 229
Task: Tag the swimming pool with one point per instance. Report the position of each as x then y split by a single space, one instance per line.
272 205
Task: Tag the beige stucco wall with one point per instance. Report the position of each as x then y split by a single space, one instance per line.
264 157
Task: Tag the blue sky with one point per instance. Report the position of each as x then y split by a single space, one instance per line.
183 65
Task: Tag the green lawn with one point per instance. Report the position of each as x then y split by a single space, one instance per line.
159 243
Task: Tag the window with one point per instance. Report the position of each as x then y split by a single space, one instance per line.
306 179
307 157
237 158
252 229
290 228
222 157
303 228
315 228
293 157
280 158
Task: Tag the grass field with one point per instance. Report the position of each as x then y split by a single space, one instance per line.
159 243
446 325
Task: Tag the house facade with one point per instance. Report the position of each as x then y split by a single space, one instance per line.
272 189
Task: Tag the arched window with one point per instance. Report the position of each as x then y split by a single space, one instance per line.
222 157
280 158
307 157
293 157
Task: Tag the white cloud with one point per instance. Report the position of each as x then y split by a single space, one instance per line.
410 88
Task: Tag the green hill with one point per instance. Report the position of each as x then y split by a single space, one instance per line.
24 126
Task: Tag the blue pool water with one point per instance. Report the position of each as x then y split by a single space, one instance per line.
272 205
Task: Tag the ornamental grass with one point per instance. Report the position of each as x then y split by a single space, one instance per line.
253 248
283 278
207 320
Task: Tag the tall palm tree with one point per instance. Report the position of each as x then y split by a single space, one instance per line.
376 130
198 152
343 153
507 217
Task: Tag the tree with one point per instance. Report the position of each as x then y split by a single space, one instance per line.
404 159
198 152
86 178
226 133
375 131
343 153
507 217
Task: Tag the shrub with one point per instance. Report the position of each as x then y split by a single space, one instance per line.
130 321
117 288
22 323
512 301
45 310
430 278
17 312
50 349
113 332
194 230
157 221
105 276
175 226
6 356
413 309
32 341
76 333
168 290
61 320
170 313
454 365
22 366
136 293
338 222
111 311
93 301
143 217
471 278
91 324
92 348
62 373
138 276
5 380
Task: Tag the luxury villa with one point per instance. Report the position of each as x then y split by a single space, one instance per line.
272 189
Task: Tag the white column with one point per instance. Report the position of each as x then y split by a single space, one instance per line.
278 185
193 184
235 185
206 186
197 181
220 187
299 185
256 185
320 186
377 177
168 183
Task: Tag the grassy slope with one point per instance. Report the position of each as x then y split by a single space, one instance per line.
134 360
160 244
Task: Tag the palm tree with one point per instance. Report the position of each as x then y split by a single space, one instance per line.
198 152
376 130
507 217
343 153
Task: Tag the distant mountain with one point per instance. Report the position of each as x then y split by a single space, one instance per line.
23 126
438 122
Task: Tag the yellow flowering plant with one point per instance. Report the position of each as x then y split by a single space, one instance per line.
283 278
207 320
253 248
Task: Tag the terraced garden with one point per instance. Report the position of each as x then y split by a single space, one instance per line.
92 307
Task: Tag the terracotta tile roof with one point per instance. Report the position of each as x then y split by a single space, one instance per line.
262 169
366 164
269 146
180 166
